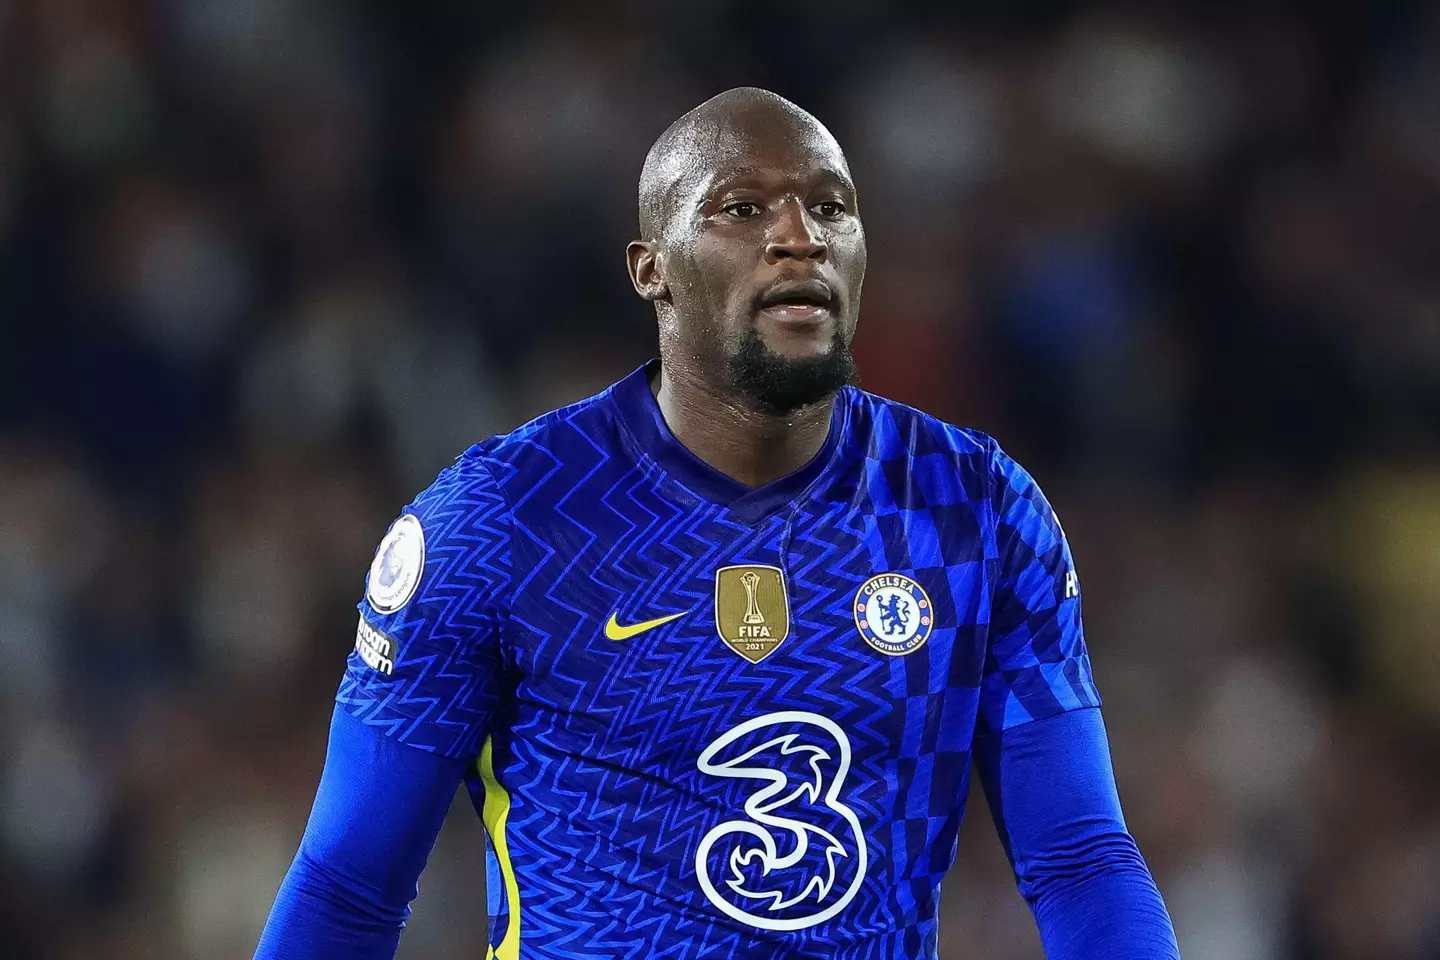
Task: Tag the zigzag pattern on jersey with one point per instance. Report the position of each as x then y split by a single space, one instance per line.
634 805
847 674
630 550
551 529
439 694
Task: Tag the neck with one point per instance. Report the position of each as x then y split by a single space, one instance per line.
749 445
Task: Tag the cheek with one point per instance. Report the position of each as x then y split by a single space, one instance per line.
852 247
720 282
688 277
709 306
856 255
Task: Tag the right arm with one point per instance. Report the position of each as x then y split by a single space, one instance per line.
376 816
419 696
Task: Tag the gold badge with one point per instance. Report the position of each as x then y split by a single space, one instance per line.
752 610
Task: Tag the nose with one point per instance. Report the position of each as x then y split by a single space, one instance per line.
793 236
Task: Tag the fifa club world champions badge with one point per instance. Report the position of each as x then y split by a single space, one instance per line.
893 614
752 609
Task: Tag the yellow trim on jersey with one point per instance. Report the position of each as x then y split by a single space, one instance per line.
495 811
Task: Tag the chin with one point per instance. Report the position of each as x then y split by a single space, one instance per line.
800 348
784 373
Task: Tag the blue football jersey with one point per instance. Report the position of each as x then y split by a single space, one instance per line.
709 720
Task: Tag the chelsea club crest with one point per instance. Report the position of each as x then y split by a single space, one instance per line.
893 614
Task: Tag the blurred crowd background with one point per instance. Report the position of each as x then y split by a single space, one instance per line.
266 266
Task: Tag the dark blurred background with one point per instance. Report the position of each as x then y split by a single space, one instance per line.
266 266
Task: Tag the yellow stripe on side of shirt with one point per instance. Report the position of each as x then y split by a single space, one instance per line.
495 811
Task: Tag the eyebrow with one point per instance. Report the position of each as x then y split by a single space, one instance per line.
738 175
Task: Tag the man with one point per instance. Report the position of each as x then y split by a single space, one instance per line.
713 650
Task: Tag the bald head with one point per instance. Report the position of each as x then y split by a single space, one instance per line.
752 250
724 131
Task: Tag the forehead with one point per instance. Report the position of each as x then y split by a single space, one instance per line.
769 149
761 148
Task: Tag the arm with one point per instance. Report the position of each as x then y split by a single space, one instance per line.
378 810
1052 795
420 693
1041 748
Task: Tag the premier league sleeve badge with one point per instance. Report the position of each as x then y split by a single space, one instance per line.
399 561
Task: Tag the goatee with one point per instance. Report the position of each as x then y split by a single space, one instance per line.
780 385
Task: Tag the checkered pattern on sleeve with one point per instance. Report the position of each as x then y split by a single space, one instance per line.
1036 664
444 688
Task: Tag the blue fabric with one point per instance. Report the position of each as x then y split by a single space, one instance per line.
378 810
622 757
1052 794
1049 782
912 588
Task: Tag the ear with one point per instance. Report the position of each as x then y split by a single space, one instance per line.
646 272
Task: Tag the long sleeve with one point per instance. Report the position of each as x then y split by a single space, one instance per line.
376 815
1052 794
415 707
1042 752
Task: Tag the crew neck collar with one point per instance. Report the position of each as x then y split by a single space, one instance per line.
641 414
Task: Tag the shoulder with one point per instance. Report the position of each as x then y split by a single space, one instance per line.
465 517
892 433
519 458
934 454
892 428
494 471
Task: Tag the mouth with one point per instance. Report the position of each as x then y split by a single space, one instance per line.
799 302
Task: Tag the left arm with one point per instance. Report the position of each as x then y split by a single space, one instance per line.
1041 749
1052 795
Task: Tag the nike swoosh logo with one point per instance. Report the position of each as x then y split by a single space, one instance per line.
615 631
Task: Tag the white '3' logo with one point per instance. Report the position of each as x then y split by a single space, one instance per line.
773 809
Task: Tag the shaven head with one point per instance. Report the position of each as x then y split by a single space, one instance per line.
706 137
751 248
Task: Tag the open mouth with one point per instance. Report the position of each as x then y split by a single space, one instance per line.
799 300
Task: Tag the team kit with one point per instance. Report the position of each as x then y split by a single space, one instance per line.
704 714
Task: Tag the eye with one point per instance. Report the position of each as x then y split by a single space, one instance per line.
744 209
830 208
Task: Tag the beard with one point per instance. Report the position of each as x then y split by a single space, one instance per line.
780 385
